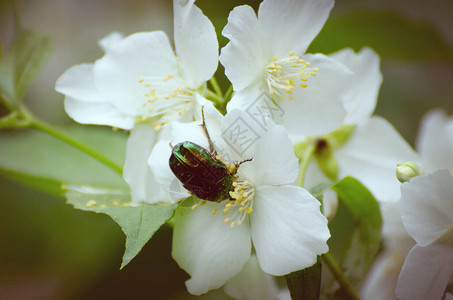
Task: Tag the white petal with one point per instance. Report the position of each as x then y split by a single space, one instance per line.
291 25
448 297
110 41
362 99
252 283
371 155
288 229
394 234
207 248
425 273
159 163
314 176
272 152
137 173
427 206
435 141
258 104
98 113
312 116
117 74
244 57
381 280
318 108
78 83
196 43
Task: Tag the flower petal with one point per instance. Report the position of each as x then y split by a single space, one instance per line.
207 248
318 108
371 155
381 280
272 152
252 283
435 141
244 57
137 173
291 25
78 83
426 206
158 161
196 43
362 99
117 74
425 273
98 113
288 229
110 41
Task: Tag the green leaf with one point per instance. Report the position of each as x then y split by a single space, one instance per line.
39 160
139 223
305 284
355 229
390 33
21 63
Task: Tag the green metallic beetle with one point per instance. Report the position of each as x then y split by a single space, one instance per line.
201 171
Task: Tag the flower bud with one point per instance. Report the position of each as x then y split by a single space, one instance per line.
407 170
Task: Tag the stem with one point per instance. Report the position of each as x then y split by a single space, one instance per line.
216 87
49 129
304 163
339 276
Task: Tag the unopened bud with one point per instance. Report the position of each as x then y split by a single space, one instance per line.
407 170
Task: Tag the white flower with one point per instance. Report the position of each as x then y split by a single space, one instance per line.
427 212
266 58
434 144
374 148
140 78
213 242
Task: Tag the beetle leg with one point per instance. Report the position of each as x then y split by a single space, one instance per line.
205 129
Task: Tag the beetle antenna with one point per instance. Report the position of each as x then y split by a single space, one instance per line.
245 160
205 129
236 165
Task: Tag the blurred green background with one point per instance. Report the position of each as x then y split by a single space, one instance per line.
51 251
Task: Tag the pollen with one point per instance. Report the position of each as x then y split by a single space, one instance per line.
168 77
281 75
241 203
165 98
